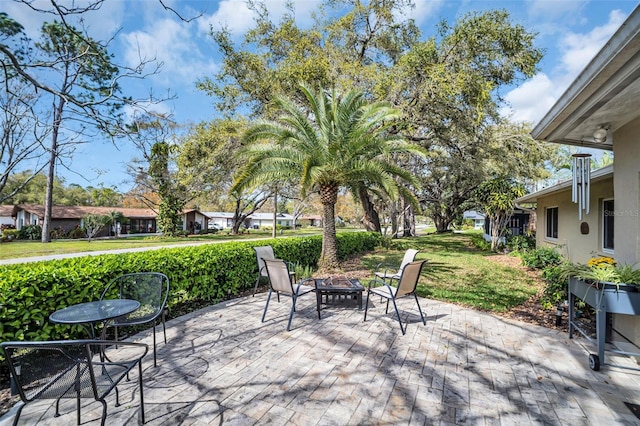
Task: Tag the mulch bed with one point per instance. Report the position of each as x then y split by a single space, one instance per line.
530 312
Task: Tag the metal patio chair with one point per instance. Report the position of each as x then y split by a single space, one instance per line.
266 252
385 271
280 282
406 287
72 369
151 289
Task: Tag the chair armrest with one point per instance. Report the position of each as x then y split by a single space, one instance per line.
376 281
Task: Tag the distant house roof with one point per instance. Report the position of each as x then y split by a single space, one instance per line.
6 211
472 214
255 216
77 212
218 215
269 216
596 175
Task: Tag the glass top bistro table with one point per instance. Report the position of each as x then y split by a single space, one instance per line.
341 288
93 312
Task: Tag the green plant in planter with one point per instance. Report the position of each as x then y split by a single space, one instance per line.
601 270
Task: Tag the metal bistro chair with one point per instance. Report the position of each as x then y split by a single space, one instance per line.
72 369
406 286
280 282
385 272
266 252
151 289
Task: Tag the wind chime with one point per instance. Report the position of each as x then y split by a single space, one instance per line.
581 168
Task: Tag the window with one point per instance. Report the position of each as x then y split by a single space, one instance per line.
608 216
552 222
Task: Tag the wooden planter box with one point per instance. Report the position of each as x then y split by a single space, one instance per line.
605 298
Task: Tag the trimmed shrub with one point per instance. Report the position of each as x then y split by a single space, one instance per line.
541 258
30 292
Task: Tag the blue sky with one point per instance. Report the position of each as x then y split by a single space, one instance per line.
571 33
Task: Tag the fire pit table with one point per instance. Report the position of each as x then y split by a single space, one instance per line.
340 290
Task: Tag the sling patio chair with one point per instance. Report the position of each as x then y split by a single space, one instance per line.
280 282
406 287
385 271
266 252
73 369
151 289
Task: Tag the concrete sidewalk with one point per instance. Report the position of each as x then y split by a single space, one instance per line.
221 365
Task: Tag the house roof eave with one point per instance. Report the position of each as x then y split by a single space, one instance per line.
596 175
601 95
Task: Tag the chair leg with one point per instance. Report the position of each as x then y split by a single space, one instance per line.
141 391
164 329
15 420
366 306
395 306
255 287
293 309
155 362
424 322
104 412
267 305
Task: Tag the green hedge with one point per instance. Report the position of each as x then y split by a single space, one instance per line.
30 292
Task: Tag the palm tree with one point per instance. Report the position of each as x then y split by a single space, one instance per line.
331 143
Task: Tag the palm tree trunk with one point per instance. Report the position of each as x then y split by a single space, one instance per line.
329 254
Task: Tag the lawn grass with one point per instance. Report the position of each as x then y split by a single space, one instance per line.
21 248
458 273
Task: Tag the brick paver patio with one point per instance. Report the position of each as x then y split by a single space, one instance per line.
221 365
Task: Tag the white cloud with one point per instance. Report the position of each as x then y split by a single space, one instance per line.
171 43
531 100
232 14
422 11
578 49
550 10
96 23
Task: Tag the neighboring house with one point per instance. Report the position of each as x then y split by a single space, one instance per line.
220 219
136 221
193 221
6 215
519 224
314 220
477 218
253 221
259 220
600 109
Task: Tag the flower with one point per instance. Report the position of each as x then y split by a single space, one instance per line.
601 261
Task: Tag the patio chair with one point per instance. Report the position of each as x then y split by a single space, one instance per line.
151 289
72 369
280 282
406 287
385 271
266 252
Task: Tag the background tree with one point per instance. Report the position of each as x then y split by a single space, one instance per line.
93 224
207 163
172 194
497 197
340 141
447 85
352 44
76 78
21 136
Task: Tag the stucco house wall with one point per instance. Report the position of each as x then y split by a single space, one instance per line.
571 242
626 152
